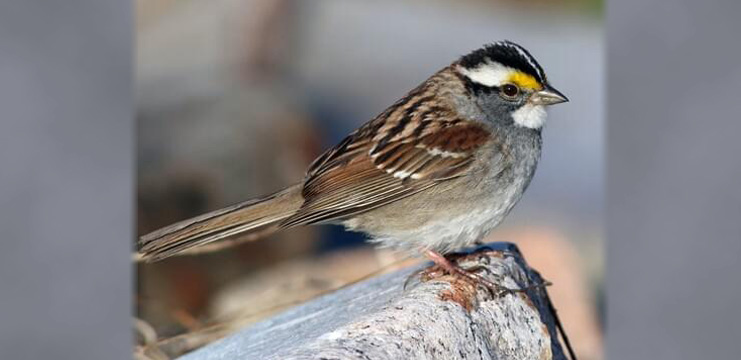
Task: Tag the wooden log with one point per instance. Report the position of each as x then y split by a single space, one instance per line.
436 316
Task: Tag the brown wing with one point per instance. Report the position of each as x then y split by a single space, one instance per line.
384 162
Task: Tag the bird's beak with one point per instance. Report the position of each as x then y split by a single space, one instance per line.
548 96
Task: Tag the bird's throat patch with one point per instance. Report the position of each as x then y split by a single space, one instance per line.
530 116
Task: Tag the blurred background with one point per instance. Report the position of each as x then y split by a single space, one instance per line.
236 97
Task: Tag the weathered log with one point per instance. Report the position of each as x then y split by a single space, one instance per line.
436 316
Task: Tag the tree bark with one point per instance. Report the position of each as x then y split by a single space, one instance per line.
437 316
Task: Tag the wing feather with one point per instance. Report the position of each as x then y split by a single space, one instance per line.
384 161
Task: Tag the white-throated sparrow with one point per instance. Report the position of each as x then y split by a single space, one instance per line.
433 173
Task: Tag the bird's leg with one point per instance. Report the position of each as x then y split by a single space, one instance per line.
454 269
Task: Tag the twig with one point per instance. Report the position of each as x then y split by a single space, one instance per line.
559 325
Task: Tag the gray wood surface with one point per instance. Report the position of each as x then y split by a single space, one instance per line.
441 318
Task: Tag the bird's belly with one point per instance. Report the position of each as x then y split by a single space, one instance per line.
452 222
447 234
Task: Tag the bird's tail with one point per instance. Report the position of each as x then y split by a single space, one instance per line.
249 217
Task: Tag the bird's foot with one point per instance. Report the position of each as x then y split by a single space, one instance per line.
445 266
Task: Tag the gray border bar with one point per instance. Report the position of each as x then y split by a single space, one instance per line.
674 171
66 179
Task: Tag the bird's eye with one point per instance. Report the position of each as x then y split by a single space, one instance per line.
510 91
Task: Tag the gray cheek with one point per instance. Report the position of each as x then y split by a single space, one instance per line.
497 109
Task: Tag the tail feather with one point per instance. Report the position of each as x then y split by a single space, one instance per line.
240 219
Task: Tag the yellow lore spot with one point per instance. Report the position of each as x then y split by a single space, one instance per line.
524 81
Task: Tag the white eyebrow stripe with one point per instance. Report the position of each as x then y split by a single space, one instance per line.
488 74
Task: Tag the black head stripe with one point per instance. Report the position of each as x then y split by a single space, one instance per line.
506 53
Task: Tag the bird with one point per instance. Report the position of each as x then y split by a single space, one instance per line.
433 173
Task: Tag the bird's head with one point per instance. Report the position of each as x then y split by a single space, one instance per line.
508 83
